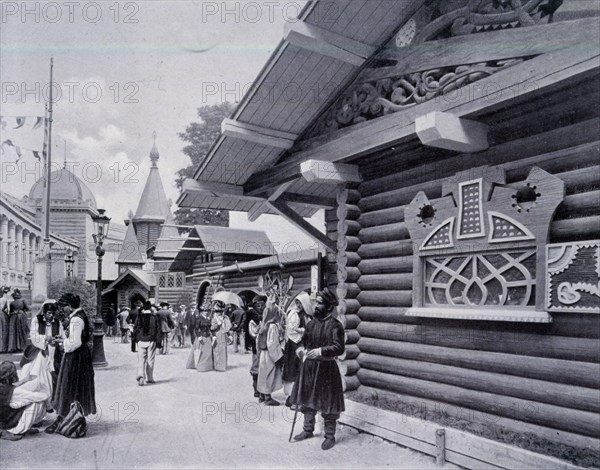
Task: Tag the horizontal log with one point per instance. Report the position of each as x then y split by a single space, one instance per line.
582 204
479 420
391 215
396 196
384 233
386 315
401 264
386 249
584 228
398 298
402 281
582 374
350 243
511 342
352 336
352 227
352 367
567 396
352 195
576 421
352 321
352 274
351 352
352 290
350 383
565 159
581 179
352 306
352 259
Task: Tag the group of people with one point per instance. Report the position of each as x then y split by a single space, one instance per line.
293 350
56 370
14 321
296 350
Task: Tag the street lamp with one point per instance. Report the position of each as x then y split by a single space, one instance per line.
29 278
101 222
69 262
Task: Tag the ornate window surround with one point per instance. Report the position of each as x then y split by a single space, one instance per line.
480 250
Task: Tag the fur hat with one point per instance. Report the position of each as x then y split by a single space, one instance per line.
328 297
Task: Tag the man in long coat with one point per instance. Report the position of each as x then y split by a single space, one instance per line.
321 389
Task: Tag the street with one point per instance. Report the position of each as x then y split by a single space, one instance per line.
189 419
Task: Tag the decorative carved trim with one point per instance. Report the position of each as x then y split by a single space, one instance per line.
441 237
460 17
506 229
367 101
526 316
573 280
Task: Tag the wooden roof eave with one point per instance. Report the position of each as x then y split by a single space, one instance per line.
531 78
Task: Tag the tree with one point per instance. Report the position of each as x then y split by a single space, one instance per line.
74 285
200 137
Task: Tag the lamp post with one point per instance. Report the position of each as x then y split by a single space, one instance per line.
101 222
29 278
69 262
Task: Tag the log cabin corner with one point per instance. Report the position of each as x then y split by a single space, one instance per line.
454 147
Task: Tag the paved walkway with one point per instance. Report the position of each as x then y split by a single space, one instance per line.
193 420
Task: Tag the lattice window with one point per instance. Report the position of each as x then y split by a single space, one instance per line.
175 280
485 279
479 251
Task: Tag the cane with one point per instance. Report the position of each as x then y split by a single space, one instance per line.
296 400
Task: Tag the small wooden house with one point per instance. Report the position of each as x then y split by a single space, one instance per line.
454 146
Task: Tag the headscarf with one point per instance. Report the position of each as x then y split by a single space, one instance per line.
306 302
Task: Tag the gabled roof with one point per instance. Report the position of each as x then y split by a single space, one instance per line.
146 278
131 253
211 239
169 240
153 204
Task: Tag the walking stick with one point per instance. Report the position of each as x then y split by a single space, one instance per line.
296 400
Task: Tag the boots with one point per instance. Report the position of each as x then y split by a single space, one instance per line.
329 441
254 384
269 401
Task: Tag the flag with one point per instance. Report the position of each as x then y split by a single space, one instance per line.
23 135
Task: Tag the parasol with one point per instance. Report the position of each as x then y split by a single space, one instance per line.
228 298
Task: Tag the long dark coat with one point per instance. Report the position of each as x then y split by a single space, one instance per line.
321 388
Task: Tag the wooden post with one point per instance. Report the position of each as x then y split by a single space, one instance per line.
440 447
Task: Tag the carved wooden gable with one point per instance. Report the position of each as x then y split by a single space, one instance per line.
479 251
429 56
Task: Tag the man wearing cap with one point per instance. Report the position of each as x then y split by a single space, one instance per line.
321 389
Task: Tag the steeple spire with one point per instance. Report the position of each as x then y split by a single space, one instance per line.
154 156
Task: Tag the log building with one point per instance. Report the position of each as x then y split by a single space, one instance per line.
454 146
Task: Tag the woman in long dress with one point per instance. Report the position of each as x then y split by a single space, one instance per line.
201 355
270 347
76 377
297 317
4 319
18 323
219 328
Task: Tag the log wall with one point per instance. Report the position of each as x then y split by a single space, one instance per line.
549 373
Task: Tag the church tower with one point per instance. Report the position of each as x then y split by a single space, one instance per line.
153 208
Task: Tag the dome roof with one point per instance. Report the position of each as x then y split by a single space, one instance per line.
64 187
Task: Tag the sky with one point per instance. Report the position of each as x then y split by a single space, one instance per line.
124 70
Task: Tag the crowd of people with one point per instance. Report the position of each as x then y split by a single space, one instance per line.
293 349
